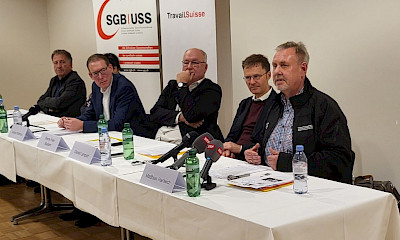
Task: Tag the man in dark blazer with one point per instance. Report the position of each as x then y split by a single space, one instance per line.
249 123
114 96
66 92
189 103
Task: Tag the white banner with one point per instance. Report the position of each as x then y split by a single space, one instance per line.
187 24
128 28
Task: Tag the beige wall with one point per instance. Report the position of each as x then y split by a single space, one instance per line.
354 57
71 26
25 62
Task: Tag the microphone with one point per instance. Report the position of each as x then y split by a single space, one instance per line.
212 153
187 140
32 111
200 144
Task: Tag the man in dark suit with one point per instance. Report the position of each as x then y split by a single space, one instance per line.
189 103
66 92
249 123
114 96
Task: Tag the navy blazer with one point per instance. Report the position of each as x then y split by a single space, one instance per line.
125 106
259 129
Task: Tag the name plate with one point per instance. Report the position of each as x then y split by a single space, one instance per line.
85 153
162 178
52 143
20 133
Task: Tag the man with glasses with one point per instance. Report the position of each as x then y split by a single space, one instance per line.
66 92
249 122
189 103
302 115
113 96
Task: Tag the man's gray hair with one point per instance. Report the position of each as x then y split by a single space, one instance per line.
300 48
202 52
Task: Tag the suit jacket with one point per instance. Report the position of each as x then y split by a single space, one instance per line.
125 106
68 103
202 103
258 131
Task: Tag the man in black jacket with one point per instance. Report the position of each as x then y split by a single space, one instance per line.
189 103
66 92
303 115
248 124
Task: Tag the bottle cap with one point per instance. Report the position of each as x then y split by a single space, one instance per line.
299 148
1 100
101 116
16 108
193 151
127 125
103 130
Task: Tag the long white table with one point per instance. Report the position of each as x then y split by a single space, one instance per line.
330 210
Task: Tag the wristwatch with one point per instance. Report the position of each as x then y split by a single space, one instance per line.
181 84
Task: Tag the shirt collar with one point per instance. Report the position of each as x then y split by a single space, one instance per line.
286 101
108 90
195 84
263 97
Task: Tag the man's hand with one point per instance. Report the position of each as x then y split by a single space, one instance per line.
251 155
184 76
193 125
73 124
273 158
228 153
232 147
61 122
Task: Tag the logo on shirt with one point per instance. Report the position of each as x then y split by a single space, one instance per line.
305 128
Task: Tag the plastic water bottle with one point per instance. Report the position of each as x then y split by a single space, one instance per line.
3 118
17 116
193 186
105 148
127 142
101 123
300 170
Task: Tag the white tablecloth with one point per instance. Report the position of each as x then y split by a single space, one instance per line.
330 210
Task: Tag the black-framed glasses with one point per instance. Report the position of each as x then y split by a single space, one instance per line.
194 63
255 77
96 74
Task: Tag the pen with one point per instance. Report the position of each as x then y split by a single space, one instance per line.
233 177
43 130
116 154
134 163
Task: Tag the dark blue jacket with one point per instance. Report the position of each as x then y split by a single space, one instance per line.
125 106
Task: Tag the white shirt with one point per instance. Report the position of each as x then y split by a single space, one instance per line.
106 101
173 134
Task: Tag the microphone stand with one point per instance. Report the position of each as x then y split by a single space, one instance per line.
208 184
29 125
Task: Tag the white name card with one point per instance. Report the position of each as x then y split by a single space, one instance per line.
85 153
20 133
162 178
52 143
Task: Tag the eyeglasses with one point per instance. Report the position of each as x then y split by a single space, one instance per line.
194 63
96 74
255 77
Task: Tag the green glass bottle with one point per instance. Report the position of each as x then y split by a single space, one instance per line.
3 118
101 123
193 186
127 142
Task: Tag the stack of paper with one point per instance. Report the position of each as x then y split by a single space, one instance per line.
263 181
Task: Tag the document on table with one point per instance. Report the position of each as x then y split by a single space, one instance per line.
236 170
264 181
